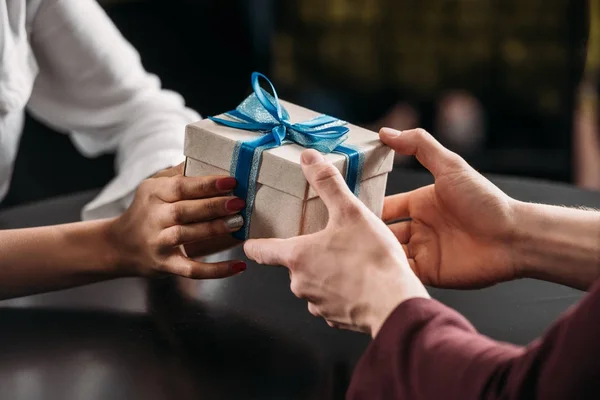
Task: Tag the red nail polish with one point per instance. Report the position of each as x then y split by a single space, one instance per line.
226 184
238 267
235 204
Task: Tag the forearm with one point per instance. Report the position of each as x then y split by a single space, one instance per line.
428 351
56 257
557 244
92 85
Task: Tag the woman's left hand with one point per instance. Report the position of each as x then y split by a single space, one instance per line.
354 273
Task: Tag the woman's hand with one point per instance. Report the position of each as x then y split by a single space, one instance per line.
353 273
461 228
169 211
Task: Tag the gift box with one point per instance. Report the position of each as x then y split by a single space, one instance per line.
260 143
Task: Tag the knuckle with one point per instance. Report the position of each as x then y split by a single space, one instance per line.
211 271
186 271
325 172
259 254
176 213
145 188
252 251
178 186
350 210
215 206
215 228
162 266
296 288
314 310
152 268
294 259
179 168
162 173
173 235
422 134
156 243
454 161
204 185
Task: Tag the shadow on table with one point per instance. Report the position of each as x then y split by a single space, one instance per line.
57 354
188 353
247 361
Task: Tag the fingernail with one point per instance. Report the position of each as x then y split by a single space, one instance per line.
391 133
234 222
237 267
312 157
236 204
226 184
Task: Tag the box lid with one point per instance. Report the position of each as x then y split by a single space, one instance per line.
213 144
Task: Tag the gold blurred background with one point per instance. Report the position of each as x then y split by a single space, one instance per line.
505 83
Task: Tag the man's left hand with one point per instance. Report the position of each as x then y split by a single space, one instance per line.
353 273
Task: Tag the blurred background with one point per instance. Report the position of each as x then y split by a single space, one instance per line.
509 84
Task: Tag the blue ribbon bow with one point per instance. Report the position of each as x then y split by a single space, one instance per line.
262 112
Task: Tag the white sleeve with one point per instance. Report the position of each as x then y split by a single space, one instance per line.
93 86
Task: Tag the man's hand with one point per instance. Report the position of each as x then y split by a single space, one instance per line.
353 273
170 210
461 228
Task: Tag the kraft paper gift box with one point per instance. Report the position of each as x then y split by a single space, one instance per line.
284 204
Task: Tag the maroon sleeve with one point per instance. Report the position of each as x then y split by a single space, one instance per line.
426 350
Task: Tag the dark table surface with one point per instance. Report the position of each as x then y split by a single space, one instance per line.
243 337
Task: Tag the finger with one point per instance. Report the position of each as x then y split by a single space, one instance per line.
327 182
395 207
272 251
177 235
177 170
191 211
211 246
177 188
180 265
401 230
418 142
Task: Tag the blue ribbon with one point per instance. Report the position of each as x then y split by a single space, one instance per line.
263 113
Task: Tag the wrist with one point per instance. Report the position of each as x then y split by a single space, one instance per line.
407 287
528 244
118 257
504 251
523 239
557 244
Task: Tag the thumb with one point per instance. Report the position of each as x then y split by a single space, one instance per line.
180 265
327 182
271 251
169 172
419 143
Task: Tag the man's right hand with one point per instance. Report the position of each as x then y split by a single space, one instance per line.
461 228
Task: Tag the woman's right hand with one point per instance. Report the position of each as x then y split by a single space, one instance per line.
170 210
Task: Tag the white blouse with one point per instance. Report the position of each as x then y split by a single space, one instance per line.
68 64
